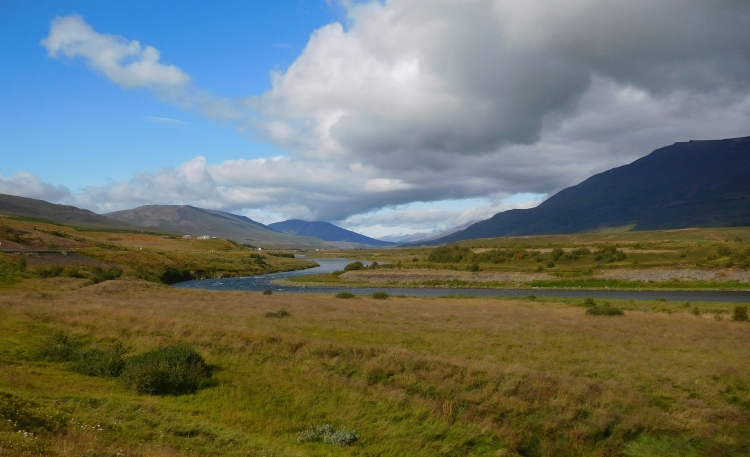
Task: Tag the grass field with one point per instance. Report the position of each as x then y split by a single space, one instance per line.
413 376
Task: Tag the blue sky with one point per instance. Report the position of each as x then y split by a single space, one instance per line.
70 126
386 117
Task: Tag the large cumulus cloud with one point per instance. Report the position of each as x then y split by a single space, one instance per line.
427 100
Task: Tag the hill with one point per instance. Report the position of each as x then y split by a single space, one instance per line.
692 184
61 214
325 231
197 222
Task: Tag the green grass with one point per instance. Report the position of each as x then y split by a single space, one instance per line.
422 377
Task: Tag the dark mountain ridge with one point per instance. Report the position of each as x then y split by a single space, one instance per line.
692 184
325 231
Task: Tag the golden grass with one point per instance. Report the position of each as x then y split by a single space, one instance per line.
414 376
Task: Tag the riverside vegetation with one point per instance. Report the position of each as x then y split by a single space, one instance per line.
674 259
128 367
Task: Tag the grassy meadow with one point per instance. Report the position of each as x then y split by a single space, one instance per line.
412 376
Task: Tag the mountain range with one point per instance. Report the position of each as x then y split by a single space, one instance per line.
688 184
325 231
194 221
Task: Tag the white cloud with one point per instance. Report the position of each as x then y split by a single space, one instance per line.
25 184
434 100
124 62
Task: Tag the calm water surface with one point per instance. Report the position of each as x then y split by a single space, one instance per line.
263 282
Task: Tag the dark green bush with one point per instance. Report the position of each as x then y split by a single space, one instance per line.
556 254
474 267
450 254
380 295
740 313
58 347
280 314
354 266
604 310
49 272
287 255
723 251
588 301
610 253
268 292
106 363
345 294
167 370
100 275
175 275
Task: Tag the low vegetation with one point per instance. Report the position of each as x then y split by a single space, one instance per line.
123 367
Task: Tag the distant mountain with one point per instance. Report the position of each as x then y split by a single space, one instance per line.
197 222
407 238
693 184
325 231
62 214
414 237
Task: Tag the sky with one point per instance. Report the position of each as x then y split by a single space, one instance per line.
385 117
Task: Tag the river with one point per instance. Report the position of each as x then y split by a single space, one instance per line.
263 282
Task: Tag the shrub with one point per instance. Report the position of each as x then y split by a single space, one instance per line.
49 272
550 264
175 275
604 310
609 253
696 312
354 266
556 254
58 347
474 267
740 313
414 259
450 254
345 294
723 251
166 370
100 275
588 301
106 363
268 291
287 255
280 314
380 295
341 437
21 264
